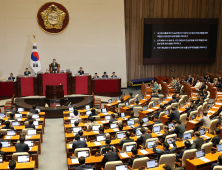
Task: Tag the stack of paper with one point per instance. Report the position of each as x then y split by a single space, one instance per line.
8 137
218 103
97 143
192 121
108 104
124 155
150 110
144 152
103 121
116 130
75 161
204 159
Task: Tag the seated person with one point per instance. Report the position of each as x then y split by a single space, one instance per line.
2 153
95 76
191 110
174 115
161 110
92 122
12 116
143 137
81 72
113 75
178 88
183 92
173 81
156 86
201 102
205 120
101 130
78 143
127 139
195 81
13 109
104 75
132 116
113 119
21 147
179 129
76 123
177 97
219 163
76 114
107 141
192 102
8 126
177 83
198 142
173 99
197 85
93 113
54 65
29 118
27 72
33 110
120 127
189 79
166 149
11 77
154 95
156 121
203 86
216 139
137 103
82 164
30 125
152 84
110 155
134 156
80 133
166 132
140 126
187 147
205 93
12 165
131 95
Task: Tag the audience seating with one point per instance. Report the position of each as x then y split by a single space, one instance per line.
112 165
139 162
168 159
186 155
128 143
207 147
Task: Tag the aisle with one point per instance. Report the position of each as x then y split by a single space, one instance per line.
53 148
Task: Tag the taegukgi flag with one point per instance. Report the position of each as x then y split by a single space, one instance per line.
35 60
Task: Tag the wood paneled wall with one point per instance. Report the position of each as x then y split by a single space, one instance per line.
137 10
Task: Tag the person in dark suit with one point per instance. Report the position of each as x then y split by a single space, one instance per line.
161 110
143 137
191 110
203 86
192 102
33 110
205 94
179 129
29 118
27 72
78 143
216 139
21 147
156 121
93 113
12 165
8 126
113 75
198 142
218 84
177 97
12 116
104 75
166 149
154 95
127 139
187 147
2 153
113 119
140 126
219 163
101 130
201 102
11 77
178 88
110 155
174 115
54 65
30 125
189 79
173 99
82 164
81 72
107 141
95 76
183 92
134 156
166 132
131 95
66 102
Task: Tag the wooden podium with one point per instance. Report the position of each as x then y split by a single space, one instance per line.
54 92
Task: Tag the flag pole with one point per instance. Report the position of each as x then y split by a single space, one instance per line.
34 37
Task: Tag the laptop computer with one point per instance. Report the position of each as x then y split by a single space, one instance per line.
170 125
156 129
138 132
117 98
76 129
130 122
150 144
23 158
200 153
193 117
166 112
187 136
95 127
6 144
151 164
30 143
31 132
113 125
153 105
145 108
20 109
15 123
87 107
121 167
107 117
202 132
2 115
88 112
110 101
18 116
136 100
83 154
219 147
100 138
104 110
127 103
145 119
11 133
129 148
120 135
123 115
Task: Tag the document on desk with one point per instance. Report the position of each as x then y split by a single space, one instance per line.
215 107
210 111
116 130
105 113
75 161
169 97
108 104
218 103
28 137
103 121
72 125
150 110
124 155
96 131
19 119
204 159
156 107
171 145
143 152
192 121
144 99
8 137
147 95
97 143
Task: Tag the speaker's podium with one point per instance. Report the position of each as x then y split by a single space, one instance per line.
55 93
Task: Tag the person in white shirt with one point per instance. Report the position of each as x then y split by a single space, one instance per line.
198 85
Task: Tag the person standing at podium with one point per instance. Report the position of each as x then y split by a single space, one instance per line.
81 72
113 75
27 72
11 77
54 65
104 75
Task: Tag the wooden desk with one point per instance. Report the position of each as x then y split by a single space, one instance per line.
160 167
28 166
111 106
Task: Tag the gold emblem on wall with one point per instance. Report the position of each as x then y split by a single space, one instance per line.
53 17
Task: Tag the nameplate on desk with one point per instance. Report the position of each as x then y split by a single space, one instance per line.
95 131
210 111
158 133
180 111
75 161
143 152
169 97
97 143
105 113
156 107
144 99
124 155
19 119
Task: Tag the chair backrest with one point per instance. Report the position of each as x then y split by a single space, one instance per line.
26 122
183 119
136 97
79 119
207 147
220 141
217 167
189 131
155 100
114 149
25 130
139 162
15 155
150 140
8 114
192 113
112 165
4 131
136 110
206 100
97 118
168 108
187 154
168 159
213 125
120 105
119 122
150 105
80 149
161 96
171 136
174 105
136 120
179 103
199 109
131 101
161 114
159 124
128 143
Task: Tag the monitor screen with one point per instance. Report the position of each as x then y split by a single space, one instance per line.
31 132
122 114
153 104
110 101
23 158
166 112
138 132
145 119
150 144
169 142
2 115
95 127
18 116
30 143
202 132
83 154
129 148
100 138
127 103
181 104
170 125
15 123
76 129
219 147
36 123
145 108
130 122
83 138
88 112
120 135
187 136
156 129
35 116
87 107
193 116
88 169
72 121
20 109
6 144
108 117
150 164
11 133
121 167
104 110
200 153
113 125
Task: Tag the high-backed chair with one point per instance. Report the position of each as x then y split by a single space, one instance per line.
199 109
118 122
136 120
171 136
168 108
192 113
4 131
150 105
119 106
205 106
131 101
15 155
217 167
79 119
138 162
155 100
161 96
126 144
168 159
186 155
179 103
207 147
96 101
97 118
136 97
113 148
144 128
183 119
136 110
161 114
24 131
207 100
8 114
174 105
189 131
112 165
150 140
213 125
159 124
80 149
220 141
